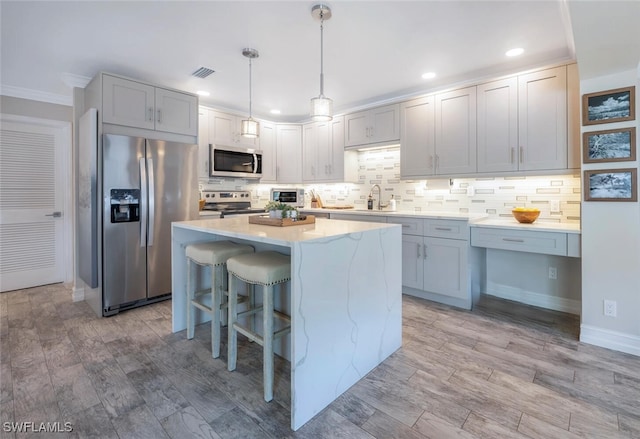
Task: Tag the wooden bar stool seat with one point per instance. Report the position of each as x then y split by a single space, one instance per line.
210 254
267 269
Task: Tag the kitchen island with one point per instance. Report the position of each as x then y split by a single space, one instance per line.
344 298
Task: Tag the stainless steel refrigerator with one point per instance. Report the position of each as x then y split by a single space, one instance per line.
146 184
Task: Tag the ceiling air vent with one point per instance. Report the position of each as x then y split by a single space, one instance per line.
202 72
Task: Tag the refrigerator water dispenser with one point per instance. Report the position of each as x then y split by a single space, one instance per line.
125 207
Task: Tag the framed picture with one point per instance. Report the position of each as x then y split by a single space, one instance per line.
609 145
610 185
609 106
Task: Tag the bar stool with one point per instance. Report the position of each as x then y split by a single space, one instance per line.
212 254
267 269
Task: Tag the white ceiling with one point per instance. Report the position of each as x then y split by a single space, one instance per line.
374 50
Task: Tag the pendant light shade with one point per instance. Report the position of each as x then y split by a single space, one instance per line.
321 106
250 128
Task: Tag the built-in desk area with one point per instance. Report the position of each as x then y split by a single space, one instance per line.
345 298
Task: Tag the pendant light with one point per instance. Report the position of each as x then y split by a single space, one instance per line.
250 127
321 106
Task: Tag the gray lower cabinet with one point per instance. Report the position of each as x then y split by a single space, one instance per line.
438 262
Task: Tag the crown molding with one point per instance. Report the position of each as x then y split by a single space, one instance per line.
36 95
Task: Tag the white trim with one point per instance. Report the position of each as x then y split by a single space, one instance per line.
540 300
36 95
606 338
64 128
77 294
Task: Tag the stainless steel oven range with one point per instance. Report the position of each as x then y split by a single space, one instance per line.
229 202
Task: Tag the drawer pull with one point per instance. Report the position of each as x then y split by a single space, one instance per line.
405 225
512 240
444 229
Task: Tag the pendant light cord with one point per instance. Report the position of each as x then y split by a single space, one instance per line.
321 54
249 88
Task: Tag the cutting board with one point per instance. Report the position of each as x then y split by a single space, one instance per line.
337 207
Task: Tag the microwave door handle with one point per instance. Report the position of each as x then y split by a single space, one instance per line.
255 163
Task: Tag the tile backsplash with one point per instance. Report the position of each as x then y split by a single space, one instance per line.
493 196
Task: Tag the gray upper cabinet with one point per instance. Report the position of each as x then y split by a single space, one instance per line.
542 120
289 153
268 148
139 105
438 134
417 138
377 125
498 126
323 151
456 132
522 123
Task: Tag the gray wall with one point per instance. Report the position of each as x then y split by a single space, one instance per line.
29 108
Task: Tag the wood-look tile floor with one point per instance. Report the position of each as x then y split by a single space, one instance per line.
504 370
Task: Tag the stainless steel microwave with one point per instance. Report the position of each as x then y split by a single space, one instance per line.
231 161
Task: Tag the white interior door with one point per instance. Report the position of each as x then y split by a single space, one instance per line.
35 195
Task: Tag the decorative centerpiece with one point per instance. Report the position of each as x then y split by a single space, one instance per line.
281 215
525 215
277 209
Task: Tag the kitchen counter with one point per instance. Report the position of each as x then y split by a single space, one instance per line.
344 298
407 213
540 226
475 219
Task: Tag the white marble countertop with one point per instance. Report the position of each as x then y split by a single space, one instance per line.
406 213
239 227
541 226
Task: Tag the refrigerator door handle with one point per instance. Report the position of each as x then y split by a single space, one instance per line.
152 199
143 204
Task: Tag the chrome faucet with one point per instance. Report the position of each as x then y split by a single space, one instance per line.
379 194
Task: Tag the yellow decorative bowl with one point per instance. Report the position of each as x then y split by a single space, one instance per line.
525 215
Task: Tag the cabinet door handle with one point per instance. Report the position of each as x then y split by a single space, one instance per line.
512 240
437 161
521 154
371 131
513 153
405 225
431 162
419 255
159 116
444 229
150 114
425 251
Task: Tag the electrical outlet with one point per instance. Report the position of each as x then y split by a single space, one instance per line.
610 308
553 273
555 205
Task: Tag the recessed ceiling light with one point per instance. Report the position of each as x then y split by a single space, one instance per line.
274 111
203 93
515 52
428 75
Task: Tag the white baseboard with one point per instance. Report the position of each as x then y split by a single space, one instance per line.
547 301
606 338
77 294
